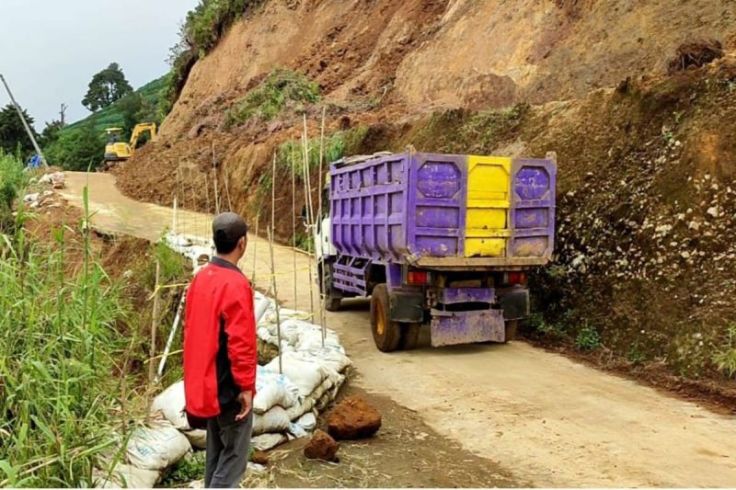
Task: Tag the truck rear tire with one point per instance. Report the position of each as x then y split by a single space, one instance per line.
410 336
510 327
386 333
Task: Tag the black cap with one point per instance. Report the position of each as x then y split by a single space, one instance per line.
227 229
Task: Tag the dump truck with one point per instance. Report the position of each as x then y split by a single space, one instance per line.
444 240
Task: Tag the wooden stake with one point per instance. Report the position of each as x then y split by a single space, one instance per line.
323 288
293 225
255 248
276 300
172 334
173 218
310 212
154 324
214 176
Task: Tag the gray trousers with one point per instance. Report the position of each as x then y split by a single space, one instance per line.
228 445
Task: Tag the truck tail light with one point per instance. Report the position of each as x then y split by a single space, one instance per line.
417 278
514 278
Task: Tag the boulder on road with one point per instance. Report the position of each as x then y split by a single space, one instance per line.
353 418
322 446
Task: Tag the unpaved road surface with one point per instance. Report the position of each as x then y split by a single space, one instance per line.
547 419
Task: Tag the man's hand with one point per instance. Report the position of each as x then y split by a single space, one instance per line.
246 404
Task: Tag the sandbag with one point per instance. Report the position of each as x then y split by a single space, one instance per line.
124 476
157 447
275 420
306 375
197 438
273 389
264 442
308 421
170 403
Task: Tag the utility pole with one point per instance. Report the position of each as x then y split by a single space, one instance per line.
62 114
25 124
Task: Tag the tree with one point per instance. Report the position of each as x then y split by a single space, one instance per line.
106 87
78 148
12 133
130 107
51 132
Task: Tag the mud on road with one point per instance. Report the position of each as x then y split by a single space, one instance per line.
547 419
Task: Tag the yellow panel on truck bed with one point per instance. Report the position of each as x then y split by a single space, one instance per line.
487 230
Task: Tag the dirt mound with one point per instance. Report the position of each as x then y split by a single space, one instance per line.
353 418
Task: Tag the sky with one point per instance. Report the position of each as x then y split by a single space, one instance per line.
50 49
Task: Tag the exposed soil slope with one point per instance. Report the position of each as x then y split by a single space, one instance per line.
645 266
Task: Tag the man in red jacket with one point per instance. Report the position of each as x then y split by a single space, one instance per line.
220 355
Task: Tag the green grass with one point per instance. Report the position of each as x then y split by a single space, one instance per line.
725 358
61 347
588 338
12 181
282 88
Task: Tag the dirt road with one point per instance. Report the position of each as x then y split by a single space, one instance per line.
549 420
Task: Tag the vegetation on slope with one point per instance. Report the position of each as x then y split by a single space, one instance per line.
81 145
74 342
202 30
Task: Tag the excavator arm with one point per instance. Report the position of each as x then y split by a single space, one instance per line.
139 130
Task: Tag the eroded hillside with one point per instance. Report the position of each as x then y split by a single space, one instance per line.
644 137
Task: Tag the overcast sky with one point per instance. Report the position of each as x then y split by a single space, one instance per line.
49 49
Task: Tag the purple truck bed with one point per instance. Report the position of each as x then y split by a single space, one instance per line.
412 208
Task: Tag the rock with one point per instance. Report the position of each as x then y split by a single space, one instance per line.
353 418
259 457
322 446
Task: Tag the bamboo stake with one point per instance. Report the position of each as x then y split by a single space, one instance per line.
308 199
227 193
293 225
323 288
273 195
154 323
276 300
255 248
214 176
173 217
172 334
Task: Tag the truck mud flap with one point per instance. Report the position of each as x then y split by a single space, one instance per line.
466 327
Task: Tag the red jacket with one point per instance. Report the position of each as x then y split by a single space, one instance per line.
220 352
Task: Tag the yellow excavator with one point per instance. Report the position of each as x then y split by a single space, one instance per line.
118 150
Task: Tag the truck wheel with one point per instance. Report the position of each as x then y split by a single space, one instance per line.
332 303
386 333
510 327
410 337
332 298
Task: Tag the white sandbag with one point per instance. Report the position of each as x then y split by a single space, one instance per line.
273 389
262 305
332 358
275 420
297 431
157 447
308 421
197 438
170 403
124 476
264 442
306 375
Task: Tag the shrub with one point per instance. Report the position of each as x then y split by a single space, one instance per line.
78 148
281 88
725 358
588 338
12 181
